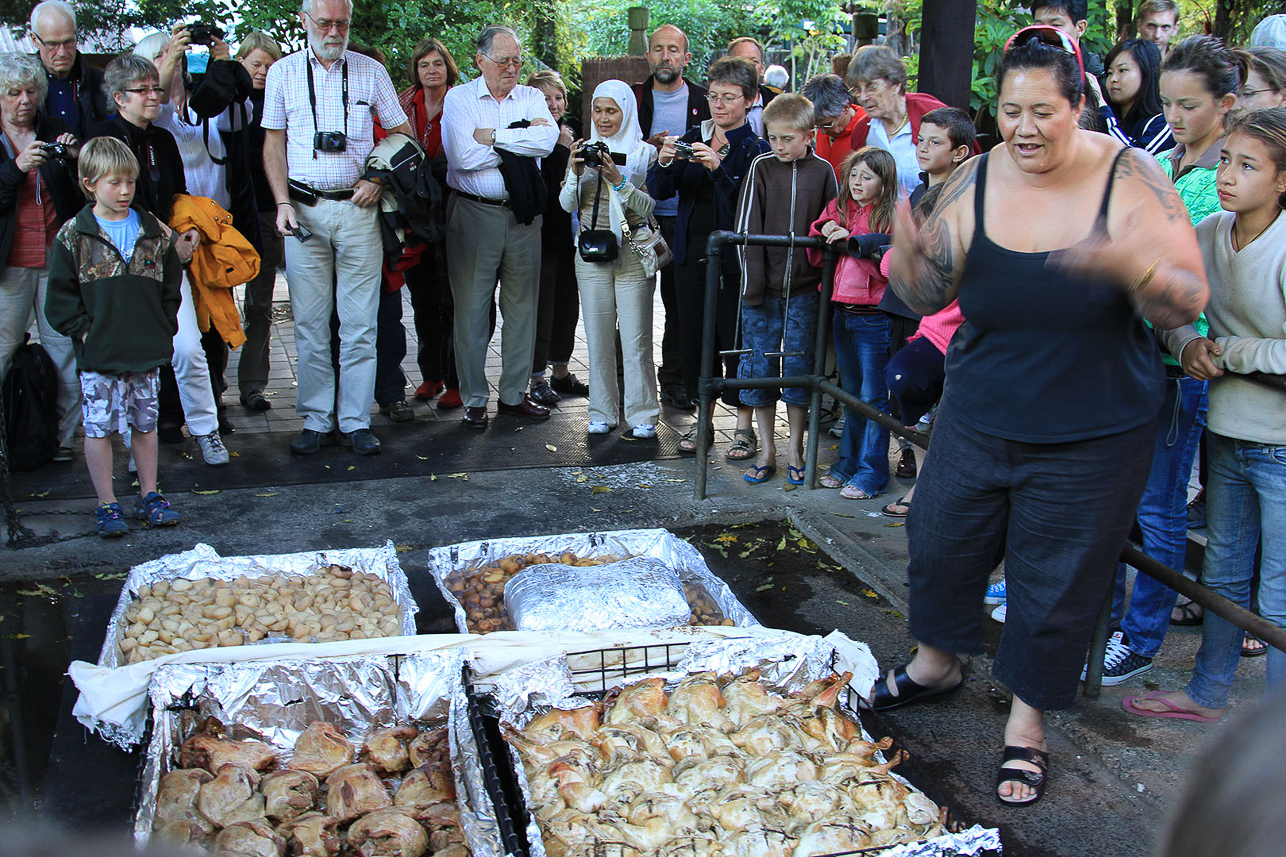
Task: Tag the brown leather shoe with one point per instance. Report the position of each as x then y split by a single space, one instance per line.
475 418
525 408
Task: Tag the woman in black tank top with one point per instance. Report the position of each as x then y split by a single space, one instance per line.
1043 440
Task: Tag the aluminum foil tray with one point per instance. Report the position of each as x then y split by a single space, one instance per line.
787 665
445 563
278 699
204 562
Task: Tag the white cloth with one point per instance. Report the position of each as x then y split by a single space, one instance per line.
902 148
114 701
474 168
199 149
286 108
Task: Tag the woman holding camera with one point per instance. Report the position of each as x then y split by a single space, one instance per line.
38 194
704 168
610 197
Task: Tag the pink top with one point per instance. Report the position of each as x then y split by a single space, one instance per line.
857 281
939 327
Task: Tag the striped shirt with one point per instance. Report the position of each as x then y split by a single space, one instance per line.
287 108
474 168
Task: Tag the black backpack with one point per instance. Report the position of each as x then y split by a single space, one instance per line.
30 394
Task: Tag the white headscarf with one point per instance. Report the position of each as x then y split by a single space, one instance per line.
628 139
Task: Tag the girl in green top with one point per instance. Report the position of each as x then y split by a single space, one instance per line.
1199 82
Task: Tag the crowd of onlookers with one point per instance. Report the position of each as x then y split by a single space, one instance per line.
1057 282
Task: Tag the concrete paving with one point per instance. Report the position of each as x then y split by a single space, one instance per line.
1114 775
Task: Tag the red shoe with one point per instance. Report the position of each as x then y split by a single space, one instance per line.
426 391
450 399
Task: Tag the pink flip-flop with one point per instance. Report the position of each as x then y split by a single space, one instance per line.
1174 712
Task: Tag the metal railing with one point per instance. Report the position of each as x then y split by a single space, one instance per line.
710 386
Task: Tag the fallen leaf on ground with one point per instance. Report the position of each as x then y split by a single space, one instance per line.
896 524
551 447
402 548
600 489
206 493
269 494
422 457
44 493
433 477
347 521
842 515
841 601
464 476
726 537
352 467
766 586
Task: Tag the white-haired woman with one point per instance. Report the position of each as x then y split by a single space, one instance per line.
38 194
617 293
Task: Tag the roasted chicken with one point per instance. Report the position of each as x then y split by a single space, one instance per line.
321 749
388 833
355 790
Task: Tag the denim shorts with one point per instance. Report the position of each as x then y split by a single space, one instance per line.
116 403
776 326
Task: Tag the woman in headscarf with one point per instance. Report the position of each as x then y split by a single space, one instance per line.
617 292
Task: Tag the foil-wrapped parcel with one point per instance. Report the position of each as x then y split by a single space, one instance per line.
474 576
639 592
742 746
370 755
198 600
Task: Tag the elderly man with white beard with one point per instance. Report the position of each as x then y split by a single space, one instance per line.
320 104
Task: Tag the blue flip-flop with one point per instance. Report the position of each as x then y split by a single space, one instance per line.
758 475
794 475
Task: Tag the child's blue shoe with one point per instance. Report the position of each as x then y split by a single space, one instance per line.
111 521
154 510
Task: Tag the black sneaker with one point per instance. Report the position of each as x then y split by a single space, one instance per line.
569 385
1119 663
542 394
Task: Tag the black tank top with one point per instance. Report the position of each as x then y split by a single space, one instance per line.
1044 357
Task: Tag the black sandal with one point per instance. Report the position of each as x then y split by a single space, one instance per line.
908 691
1190 614
1034 779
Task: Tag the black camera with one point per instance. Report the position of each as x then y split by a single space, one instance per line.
205 34
592 153
54 151
684 150
330 141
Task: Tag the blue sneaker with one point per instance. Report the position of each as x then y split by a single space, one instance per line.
111 521
154 510
995 593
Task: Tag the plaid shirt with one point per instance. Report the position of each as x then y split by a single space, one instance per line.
286 107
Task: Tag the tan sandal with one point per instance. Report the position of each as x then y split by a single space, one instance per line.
745 445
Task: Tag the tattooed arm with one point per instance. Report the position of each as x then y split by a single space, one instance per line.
926 269
1150 249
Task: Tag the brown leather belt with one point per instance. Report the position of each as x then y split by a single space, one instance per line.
498 203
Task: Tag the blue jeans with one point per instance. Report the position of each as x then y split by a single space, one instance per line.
862 354
1162 515
776 325
1245 503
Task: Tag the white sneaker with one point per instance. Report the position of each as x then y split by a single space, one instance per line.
837 430
643 431
599 427
999 613
212 449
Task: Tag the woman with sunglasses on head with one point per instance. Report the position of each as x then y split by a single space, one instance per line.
1042 439
1133 96
877 77
704 169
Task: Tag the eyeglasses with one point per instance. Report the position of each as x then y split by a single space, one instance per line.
1051 37
1251 93
505 62
726 100
326 25
65 44
870 87
147 90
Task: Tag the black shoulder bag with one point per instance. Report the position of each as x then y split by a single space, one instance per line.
597 245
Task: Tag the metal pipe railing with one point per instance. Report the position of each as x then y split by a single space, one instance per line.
710 386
